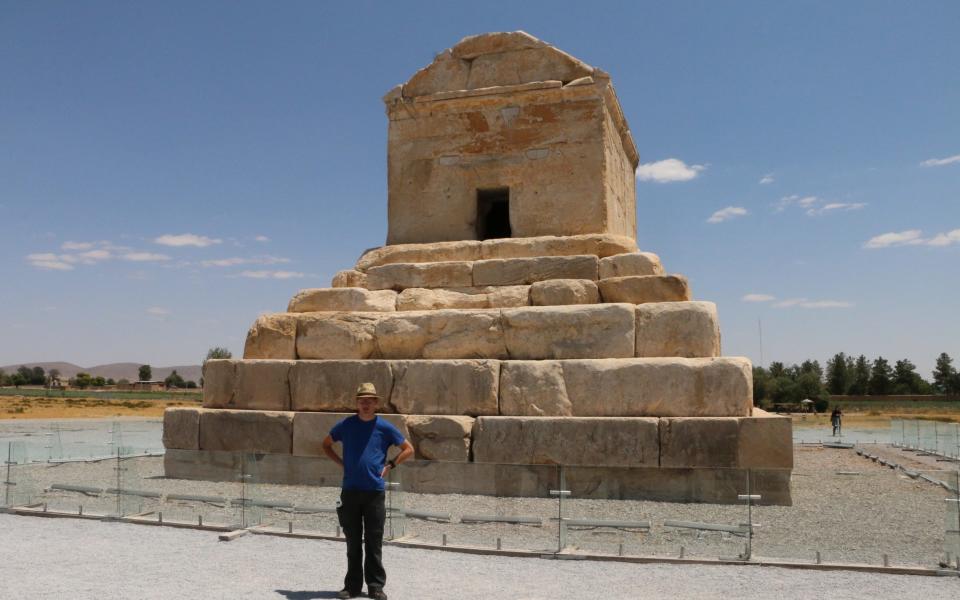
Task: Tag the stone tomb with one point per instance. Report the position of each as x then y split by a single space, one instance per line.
510 319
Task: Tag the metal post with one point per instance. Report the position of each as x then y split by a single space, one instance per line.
289 526
6 488
818 557
886 560
561 523
444 539
499 544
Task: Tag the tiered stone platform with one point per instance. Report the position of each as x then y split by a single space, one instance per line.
559 350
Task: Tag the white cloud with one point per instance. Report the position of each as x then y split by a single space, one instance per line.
261 238
835 206
271 274
768 178
145 257
813 304
913 237
186 239
158 311
76 245
758 298
668 170
725 214
49 261
94 256
237 260
940 162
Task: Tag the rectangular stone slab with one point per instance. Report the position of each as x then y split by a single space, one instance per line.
246 431
639 289
441 334
521 271
219 382
445 387
600 245
634 263
558 292
272 336
766 441
310 429
331 385
181 428
343 299
578 331
462 251
400 276
472 297
325 335
441 437
631 387
261 385
678 329
699 442
629 441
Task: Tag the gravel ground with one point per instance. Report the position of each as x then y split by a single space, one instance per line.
849 509
68 558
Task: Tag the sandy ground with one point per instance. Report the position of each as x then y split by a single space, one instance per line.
25 407
66 558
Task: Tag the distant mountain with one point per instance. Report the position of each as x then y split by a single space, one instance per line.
112 371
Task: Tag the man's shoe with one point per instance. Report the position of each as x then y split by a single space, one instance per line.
345 594
377 594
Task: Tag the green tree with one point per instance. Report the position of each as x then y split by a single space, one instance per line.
3 379
82 381
191 385
880 378
760 385
38 376
906 380
777 369
944 374
838 375
217 352
110 381
860 377
145 373
811 366
98 381
174 380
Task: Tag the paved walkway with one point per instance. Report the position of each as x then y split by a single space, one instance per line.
78 559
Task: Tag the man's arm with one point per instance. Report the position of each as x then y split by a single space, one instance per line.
329 451
406 451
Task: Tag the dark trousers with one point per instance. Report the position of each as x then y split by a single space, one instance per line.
362 515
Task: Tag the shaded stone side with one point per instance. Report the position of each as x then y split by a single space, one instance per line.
677 329
181 428
272 336
331 385
246 431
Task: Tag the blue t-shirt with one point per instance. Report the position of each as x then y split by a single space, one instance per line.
365 445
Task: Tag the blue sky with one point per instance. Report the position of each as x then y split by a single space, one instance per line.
170 170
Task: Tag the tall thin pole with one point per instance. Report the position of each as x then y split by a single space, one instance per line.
760 328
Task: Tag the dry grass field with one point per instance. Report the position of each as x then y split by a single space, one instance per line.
25 407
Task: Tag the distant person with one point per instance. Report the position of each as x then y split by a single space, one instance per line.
366 439
836 418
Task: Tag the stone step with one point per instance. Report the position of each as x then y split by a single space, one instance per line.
758 441
632 387
620 330
635 289
601 245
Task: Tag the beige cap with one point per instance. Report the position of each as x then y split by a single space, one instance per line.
367 390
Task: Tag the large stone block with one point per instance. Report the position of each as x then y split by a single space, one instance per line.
467 250
441 334
331 385
181 428
219 382
337 335
471 297
446 387
246 431
533 388
566 441
642 289
766 441
437 437
727 386
272 336
680 329
310 429
261 385
699 442
557 292
349 278
399 276
544 332
601 245
343 299
520 271
634 263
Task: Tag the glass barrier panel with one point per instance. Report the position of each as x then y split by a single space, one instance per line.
141 485
481 505
308 507
951 537
212 501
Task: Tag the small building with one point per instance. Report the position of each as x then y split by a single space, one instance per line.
143 386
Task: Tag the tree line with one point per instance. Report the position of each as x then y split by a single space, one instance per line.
849 376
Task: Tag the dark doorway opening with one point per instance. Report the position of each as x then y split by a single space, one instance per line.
493 213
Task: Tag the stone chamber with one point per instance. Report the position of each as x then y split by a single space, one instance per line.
511 319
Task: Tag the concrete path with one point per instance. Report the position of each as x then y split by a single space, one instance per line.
77 559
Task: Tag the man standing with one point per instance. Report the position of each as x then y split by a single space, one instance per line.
366 439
